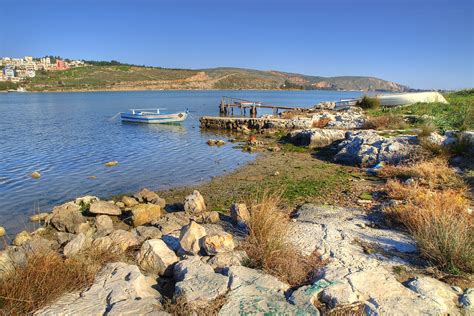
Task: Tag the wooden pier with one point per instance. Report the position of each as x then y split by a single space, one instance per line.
228 104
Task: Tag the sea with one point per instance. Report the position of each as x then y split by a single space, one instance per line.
68 137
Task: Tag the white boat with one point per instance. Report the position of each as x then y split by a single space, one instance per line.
410 98
152 116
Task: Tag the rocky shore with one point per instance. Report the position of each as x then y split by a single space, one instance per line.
179 255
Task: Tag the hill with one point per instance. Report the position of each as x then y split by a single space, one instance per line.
132 77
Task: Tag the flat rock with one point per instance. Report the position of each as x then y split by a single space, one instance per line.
338 294
129 201
120 289
147 232
171 222
252 292
103 207
437 291
198 283
228 259
315 137
156 257
67 217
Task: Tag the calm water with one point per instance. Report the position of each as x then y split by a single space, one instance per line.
68 137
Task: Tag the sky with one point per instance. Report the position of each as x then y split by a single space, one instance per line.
420 43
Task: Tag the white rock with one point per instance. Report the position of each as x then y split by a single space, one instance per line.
190 236
156 257
194 203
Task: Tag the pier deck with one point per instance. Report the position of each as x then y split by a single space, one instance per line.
228 104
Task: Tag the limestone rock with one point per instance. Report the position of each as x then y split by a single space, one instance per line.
104 225
338 294
211 217
316 137
190 236
123 239
86 200
103 243
38 244
84 228
62 237
227 259
147 232
67 217
129 201
145 213
437 291
103 207
39 217
240 214
156 257
3 232
120 289
147 196
21 238
467 300
78 244
171 222
194 203
252 292
218 243
197 282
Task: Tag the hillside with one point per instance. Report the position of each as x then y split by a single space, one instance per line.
129 77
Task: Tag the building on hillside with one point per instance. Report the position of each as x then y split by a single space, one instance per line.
9 72
31 73
61 65
29 59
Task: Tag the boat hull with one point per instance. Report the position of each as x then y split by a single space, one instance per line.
154 118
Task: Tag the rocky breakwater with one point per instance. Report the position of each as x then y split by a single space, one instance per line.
244 124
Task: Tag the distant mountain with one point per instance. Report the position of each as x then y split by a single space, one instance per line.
132 77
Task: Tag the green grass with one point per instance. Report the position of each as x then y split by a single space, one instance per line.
8 85
457 115
288 147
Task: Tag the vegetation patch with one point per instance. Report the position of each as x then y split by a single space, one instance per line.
368 103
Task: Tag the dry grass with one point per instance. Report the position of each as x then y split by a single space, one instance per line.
426 129
435 173
384 122
267 245
322 123
45 277
180 306
439 222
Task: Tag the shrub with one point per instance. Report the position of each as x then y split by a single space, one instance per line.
368 103
389 121
439 223
435 173
45 277
267 244
426 129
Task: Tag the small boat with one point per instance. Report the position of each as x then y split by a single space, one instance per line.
410 98
152 116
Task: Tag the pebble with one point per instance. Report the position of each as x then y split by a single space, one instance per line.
35 175
111 163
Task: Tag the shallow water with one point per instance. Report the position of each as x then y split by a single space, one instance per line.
68 137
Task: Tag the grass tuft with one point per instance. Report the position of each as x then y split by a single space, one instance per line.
45 277
384 122
267 245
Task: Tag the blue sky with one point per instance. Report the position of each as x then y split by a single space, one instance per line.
420 43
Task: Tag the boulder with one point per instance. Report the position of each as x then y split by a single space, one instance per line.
103 243
218 243
198 284
78 244
129 201
145 213
171 222
104 225
240 214
3 232
67 217
21 238
62 237
315 137
190 236
147 232
194 203
123 239
367 148
156 257
38 244
103 207
84 228
119 289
